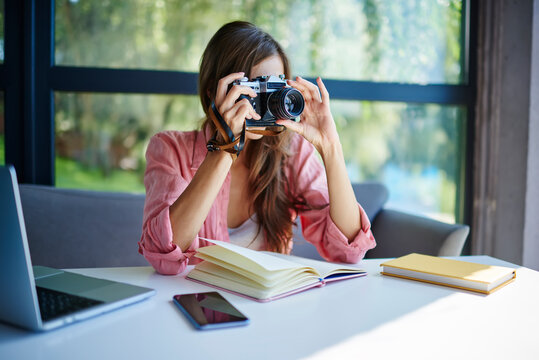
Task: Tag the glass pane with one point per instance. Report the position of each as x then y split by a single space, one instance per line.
1 31
101 139
2 131
411 41
415 150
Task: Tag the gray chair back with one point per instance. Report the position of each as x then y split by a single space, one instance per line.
371 195
398 233
78 228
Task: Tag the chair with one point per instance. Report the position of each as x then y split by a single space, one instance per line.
396 233
79 228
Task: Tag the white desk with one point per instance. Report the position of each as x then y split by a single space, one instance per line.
373 317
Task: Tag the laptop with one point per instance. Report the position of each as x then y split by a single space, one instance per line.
42 298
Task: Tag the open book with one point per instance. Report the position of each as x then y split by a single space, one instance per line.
263 275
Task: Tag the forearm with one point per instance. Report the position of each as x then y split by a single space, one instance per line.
318 127
189 211
343 205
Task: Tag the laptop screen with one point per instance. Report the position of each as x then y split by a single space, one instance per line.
18 302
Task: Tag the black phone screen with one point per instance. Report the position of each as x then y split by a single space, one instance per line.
209 310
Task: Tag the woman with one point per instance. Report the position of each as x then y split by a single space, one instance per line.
251 199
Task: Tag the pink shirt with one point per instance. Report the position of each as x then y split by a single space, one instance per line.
173 158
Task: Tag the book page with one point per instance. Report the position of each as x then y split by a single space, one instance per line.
247 258
221 272
324 268
214 275
262 277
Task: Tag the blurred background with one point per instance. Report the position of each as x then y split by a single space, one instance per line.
437 99
416 148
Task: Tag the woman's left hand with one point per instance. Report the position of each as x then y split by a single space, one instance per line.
317 125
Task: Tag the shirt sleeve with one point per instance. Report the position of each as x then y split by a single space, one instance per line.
317 225
166 177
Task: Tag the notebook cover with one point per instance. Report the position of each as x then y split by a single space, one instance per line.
453 286
457 269
343 277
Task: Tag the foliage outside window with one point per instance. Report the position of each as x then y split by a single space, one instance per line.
412 41
415 149
101 138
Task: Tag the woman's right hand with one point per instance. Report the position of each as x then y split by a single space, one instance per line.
188 213
234 112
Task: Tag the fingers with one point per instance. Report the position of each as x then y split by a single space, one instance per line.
236 115
323 91
309 90
244 108
222 86
297 127
233 95
302 88
233 111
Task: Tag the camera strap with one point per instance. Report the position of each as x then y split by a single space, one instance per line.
231 144
275 130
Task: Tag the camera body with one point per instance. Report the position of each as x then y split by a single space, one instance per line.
275 100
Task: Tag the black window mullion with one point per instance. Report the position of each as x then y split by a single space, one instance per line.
396 92
2 78
13 91
28 98
43 110
85 79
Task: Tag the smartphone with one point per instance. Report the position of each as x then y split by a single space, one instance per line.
209 310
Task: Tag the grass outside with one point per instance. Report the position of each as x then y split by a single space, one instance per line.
70 174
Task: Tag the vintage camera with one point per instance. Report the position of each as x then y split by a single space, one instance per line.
275 100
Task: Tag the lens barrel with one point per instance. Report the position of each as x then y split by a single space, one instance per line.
286 103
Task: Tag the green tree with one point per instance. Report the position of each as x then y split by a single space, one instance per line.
411 41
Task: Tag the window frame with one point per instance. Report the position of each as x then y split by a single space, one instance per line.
29 77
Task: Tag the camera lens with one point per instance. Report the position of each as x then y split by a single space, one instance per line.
286 103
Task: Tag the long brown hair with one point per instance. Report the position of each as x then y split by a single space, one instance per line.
239 46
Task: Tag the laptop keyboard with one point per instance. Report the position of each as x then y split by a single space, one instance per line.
54 303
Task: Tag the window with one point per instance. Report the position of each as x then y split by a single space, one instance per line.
398 74
412 41
101 138
415 149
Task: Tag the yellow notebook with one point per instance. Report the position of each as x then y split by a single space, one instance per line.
454 273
